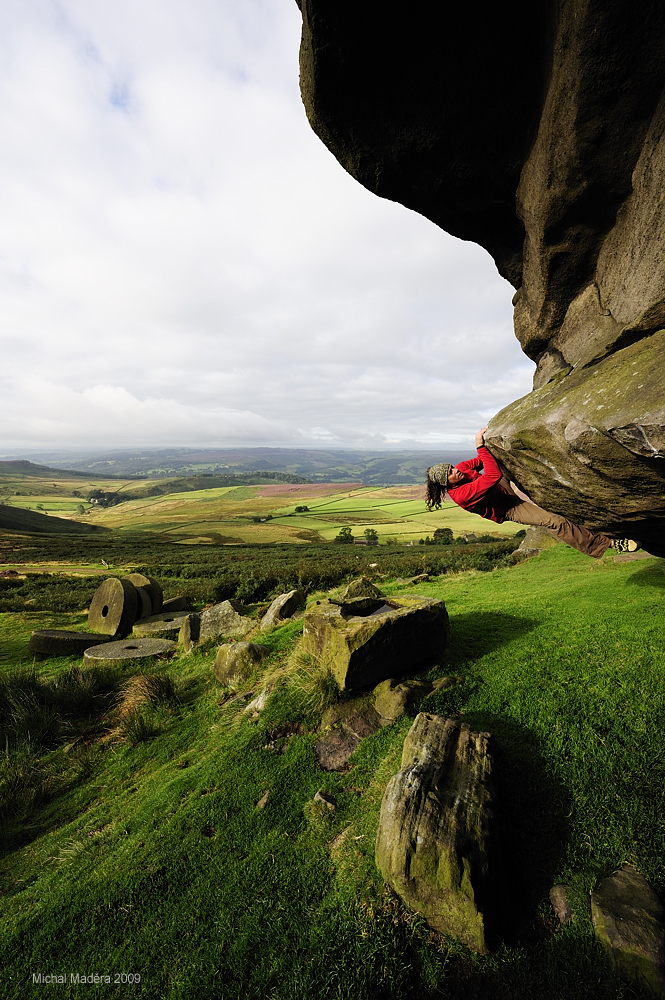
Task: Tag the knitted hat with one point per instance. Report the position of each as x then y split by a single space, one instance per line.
439 474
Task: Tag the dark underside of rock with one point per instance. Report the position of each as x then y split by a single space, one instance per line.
538 133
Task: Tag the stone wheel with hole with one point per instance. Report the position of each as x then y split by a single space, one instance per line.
117 654
152 586
164 626
59 642
113 607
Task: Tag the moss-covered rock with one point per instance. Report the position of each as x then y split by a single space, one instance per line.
629 921
434 843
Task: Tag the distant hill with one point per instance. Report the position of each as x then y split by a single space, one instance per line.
30 521
376 468
18 467
208 481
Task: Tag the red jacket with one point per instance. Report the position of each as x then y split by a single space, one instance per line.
483 495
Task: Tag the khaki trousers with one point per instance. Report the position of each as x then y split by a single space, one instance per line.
566 531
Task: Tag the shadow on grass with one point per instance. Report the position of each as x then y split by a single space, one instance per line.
651 575
476 633
533 807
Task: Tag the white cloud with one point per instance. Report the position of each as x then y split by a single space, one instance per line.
178 245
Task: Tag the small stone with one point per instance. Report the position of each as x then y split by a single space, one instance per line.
561 904
628 919
327 800
236 662
284 606
190 629
261 804
392 698
260 702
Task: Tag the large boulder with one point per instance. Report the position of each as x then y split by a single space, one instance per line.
435 843
284 606
364 646
539 135
629 921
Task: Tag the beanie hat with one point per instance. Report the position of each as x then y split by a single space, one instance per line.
439 474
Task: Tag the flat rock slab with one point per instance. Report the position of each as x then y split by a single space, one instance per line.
632 556
434 844
236 662
115 654
383 641
284 606
345 725
114 607
628 919
167 625
59 642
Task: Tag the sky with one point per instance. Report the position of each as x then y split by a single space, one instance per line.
182 261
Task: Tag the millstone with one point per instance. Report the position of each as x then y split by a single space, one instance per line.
113 607
143 603
59 642
164 626
153 588
115 654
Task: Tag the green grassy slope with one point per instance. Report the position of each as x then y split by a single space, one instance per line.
144 852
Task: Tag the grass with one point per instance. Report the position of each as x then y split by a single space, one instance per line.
150 855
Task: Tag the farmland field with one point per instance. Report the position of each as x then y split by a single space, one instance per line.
249 514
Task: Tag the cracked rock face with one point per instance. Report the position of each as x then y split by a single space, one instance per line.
540 136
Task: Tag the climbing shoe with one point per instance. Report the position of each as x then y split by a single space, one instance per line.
625 545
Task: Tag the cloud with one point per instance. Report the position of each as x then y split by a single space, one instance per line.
177 244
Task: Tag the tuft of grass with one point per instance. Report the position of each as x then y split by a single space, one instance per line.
141 689
314 684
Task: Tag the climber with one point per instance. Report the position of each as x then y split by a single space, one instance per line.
479 486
